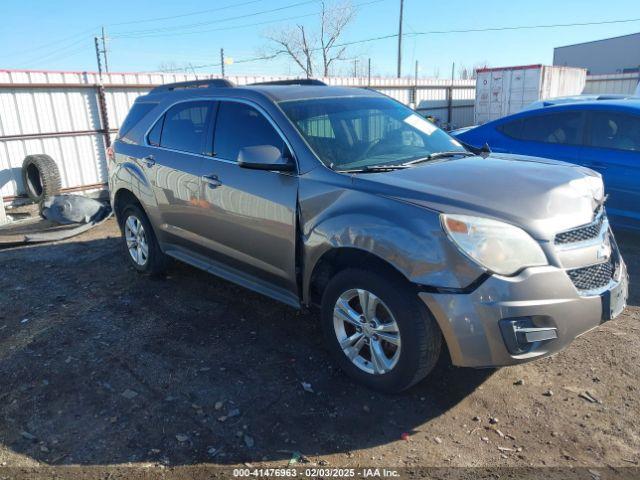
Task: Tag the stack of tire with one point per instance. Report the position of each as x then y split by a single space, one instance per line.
40 177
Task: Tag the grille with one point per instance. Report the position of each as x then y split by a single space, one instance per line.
592 277
581 234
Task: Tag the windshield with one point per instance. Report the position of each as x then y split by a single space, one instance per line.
363 132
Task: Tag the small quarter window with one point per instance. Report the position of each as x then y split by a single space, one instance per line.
156 131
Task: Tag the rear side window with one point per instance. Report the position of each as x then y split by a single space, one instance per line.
511 129
614 130
137 113
559 128
184 127
239 125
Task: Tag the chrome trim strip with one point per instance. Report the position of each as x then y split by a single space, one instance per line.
585 243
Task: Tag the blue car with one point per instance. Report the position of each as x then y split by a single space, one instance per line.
600 133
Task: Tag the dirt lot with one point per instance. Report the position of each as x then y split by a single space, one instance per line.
101 367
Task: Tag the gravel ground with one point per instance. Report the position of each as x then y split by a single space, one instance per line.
103 369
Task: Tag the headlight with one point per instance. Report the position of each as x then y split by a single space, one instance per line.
497 246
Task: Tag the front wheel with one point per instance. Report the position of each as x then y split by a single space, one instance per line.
378 331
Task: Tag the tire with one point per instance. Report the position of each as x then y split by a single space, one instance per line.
40 177
420 338
151 260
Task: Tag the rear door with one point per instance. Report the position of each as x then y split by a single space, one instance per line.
613 149
248 217
177 147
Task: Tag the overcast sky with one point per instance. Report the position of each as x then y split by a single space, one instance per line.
143 35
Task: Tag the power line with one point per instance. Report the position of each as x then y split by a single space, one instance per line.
133 33
49 44
59 56
434 32
54 53
527 27
246 25
199 12
220 29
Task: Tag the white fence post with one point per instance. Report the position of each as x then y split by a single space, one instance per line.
3 215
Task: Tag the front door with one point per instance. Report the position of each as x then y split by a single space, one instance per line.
249 216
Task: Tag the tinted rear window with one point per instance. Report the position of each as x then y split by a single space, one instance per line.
560 128
137 112
615 130
185 126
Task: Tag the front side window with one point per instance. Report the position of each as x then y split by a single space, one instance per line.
559 128
614 130
239 125
184 127
361 132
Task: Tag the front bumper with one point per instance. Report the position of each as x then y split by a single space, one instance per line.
545 296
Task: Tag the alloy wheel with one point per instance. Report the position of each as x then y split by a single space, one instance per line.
136 239
367 331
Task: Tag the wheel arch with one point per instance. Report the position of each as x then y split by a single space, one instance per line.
123 197
334 260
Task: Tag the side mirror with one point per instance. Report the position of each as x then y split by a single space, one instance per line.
264 157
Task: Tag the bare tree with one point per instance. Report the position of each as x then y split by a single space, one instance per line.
469 73
315 51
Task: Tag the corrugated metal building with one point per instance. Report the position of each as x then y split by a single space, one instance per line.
610 55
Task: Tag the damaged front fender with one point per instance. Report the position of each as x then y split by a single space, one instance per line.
407 237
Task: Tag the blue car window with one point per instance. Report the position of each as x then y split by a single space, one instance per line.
559 128
614 130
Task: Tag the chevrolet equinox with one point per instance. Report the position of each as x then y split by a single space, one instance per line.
346 199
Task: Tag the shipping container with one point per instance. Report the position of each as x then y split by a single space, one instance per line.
503 91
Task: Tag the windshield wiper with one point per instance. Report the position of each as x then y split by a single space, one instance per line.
374 168
434 155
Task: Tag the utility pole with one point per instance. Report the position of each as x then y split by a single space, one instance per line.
222 61
400 40
104 51
355 67
369 73
98 56
415 86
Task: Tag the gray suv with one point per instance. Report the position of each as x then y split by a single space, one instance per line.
346 199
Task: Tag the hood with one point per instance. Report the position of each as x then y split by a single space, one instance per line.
542 196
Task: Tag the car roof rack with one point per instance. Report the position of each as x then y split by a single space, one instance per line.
205 83
295 81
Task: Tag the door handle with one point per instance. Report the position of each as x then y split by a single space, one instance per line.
149 160
211 180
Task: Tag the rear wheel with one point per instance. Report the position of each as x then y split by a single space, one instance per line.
140 242
378 331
